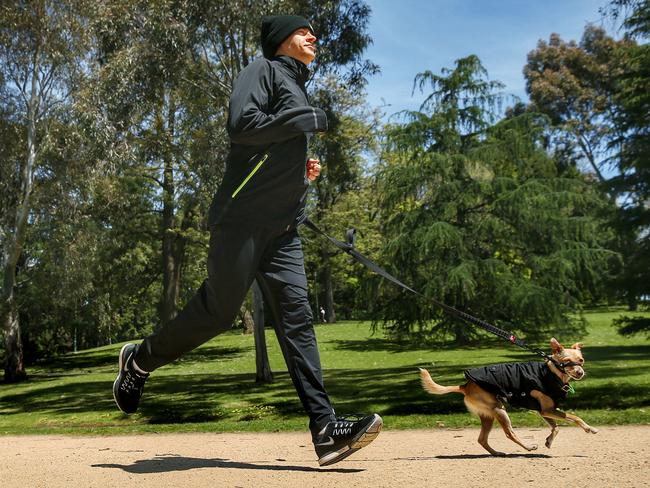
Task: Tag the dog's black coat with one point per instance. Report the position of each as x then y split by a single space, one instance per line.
513 382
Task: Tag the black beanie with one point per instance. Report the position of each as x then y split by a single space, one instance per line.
276 28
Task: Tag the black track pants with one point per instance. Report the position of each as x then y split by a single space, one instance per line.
239 254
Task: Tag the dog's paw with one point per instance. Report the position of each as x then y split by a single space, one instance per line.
592 430
498 454
532 447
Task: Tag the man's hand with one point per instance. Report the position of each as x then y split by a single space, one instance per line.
313 169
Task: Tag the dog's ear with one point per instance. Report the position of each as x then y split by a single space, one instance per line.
577 345
556 346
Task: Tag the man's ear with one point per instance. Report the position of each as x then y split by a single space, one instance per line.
556 346
577 345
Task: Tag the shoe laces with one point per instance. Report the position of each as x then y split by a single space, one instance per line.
347 420
133 381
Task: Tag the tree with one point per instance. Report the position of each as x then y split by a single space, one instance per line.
145 84
42 49
351 135
128 150
476 215
573 84
263 372
186 57
633 182
596 96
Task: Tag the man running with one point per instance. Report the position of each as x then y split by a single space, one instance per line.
253 221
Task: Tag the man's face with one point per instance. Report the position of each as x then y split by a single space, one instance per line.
300 45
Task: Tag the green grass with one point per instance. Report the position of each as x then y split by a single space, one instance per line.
213 388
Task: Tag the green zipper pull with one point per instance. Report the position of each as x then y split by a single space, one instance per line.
250 175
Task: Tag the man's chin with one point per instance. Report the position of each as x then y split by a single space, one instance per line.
309 58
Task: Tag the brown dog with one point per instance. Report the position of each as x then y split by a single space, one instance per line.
534 385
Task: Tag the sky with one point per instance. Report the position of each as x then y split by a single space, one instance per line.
413 36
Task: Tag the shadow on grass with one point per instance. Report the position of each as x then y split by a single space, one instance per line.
107 358
593 353
616 353
165 464
183 398
387 345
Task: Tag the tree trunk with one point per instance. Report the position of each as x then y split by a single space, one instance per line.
14 365
330 313
461 334
170 244
632 302
262 367
247 320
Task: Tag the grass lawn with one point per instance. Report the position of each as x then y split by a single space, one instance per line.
213 388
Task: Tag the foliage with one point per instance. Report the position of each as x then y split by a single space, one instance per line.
43 48
338 198
476 215
633 183
629 326
115 240
124 141
573 84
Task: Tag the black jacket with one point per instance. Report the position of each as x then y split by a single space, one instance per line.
513 382
270 122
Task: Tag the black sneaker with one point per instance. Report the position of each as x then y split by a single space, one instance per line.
342 437
129 385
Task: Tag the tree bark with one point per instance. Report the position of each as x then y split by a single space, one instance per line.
171 247
247 320
263 373
14 369
14 361
330 313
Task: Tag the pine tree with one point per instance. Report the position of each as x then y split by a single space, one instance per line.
475 214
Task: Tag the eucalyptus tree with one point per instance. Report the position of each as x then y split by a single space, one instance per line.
170 66
43 48
143 48
166 77
476 215
574 84
633 182
595 93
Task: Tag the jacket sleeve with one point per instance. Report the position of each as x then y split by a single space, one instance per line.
250 123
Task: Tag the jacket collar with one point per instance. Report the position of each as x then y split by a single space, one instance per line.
296 69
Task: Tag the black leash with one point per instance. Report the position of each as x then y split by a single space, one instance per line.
348 247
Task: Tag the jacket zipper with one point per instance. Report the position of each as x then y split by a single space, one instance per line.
250 175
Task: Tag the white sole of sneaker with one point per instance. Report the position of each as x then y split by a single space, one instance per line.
362 440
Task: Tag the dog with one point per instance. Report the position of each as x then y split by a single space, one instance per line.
534 385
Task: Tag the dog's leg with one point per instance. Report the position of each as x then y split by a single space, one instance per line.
486 427
560 415
502 417
549 412
554 431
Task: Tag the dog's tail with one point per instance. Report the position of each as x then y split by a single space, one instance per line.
432 387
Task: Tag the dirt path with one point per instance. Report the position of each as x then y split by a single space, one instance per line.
615 457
